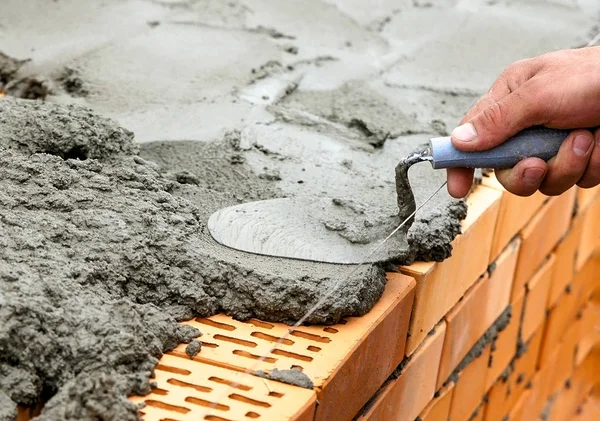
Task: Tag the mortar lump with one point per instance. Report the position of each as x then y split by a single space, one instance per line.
98 261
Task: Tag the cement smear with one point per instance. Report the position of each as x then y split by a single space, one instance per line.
294 377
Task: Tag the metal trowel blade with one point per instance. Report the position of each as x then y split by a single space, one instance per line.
301 229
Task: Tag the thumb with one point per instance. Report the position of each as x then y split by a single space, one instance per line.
497 122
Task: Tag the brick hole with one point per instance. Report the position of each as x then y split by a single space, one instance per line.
218 325
252 356
209 344
215 418
252 415
343 321
176 370
142 413
207 404
292 355
199 388
235 340
167 407
313 348
168 419
310 336
229 383
249 401
330 330
297 367
276 394
271 338
158 391
259 323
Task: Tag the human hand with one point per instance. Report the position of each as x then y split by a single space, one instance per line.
558 90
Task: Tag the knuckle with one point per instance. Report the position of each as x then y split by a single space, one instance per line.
493 116
553 189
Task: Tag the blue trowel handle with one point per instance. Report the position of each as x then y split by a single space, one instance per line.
539 142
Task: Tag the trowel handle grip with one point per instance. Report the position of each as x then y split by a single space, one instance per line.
539 142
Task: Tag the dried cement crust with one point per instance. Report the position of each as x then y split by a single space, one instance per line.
99 260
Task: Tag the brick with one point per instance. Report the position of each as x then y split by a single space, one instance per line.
539 393
483 303
504 347
470 387
587 279
441 285
505 393
479 414
590 410
347 362
559 319
586 197
542 234
404 398
590 234
439 407
566 253
590 331
565 361
513 215
535 300
516 413
186 387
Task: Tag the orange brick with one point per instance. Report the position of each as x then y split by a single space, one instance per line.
587 279
542 234
404 398
590 331
559 319
566 253
439 408
513 215
590 234
476 312
505 393
590 410
347 362
539 393
478 416
470 387
440 285
504 346
565 361
586 197
536 298
516 413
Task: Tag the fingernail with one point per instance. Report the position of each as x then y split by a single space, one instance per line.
533 176
581 145
465 133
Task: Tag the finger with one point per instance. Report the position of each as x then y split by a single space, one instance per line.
525 178
501 120
569 165
460 181
591 176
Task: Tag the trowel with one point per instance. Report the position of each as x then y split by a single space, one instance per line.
323 230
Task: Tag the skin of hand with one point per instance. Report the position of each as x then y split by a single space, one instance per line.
558 90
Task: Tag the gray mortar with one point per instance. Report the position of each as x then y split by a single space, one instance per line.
294 377
99 260
193 348
8 408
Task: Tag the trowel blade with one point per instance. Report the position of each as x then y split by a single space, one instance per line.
303 229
